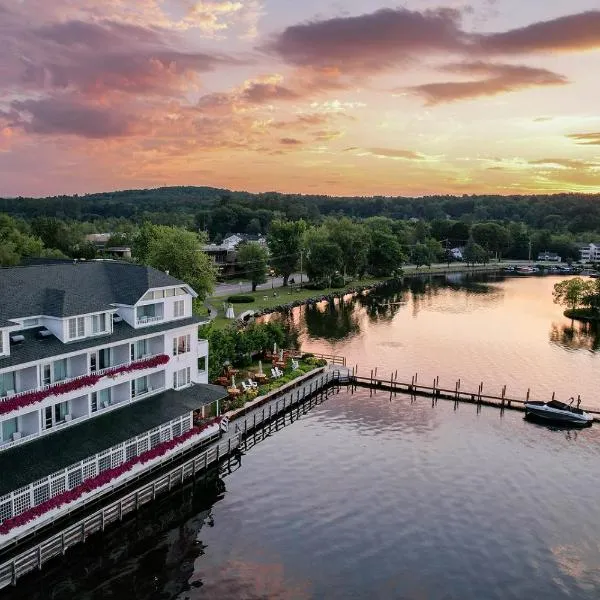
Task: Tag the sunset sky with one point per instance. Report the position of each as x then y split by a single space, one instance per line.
346 97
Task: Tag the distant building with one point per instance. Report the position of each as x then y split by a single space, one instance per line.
589 252
456 253
100 241
225 253
549 256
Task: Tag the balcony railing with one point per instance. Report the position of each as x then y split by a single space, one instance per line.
148 320
30 397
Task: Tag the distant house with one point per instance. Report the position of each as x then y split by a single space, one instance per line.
100 241
456 253
225 253
549 256
589 252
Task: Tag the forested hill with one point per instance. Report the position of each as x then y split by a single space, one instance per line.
234 210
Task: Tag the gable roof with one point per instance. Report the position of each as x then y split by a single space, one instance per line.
69 289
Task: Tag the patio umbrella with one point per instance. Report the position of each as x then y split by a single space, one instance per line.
233 381
275 348
260 371
281 355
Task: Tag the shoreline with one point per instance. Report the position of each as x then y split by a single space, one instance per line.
285 301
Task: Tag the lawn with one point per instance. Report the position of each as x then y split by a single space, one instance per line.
266 299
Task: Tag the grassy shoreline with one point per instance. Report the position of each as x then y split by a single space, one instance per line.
265 299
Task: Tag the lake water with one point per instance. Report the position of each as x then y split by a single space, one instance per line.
367 497
495 330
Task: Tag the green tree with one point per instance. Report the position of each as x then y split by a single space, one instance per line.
323 257
353 241
385 254
252 258
421 255
16 244
179 252
570 292
474 253
285 240
436 250
55 233
492 237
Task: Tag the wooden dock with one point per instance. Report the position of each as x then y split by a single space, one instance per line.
375 382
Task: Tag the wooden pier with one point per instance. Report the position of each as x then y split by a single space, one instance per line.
375 381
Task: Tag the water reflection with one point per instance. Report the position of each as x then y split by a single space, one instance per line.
149 556
576 336
332 320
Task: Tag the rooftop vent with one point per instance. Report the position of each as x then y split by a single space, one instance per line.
117 318
44 333
17 339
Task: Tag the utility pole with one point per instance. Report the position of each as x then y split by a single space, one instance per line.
530 250
301 257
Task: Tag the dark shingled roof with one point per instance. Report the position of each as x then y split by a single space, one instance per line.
29 462
64 290
35 348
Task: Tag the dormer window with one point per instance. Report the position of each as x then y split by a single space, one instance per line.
99 323
76 328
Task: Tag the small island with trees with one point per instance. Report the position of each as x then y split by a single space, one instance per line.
581 297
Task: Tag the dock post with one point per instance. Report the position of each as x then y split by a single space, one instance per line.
528 390
371 386
553 394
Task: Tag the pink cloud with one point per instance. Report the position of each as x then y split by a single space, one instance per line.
495 79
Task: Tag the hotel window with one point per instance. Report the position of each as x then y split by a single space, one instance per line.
99 323
60 370
7 383
53 415
139 349
170 292
139 386
181 378
1 343
30 322
8 428
76 328
46 374
105 358
181 344
178 308
94 402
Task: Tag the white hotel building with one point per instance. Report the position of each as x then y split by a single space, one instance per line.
99 362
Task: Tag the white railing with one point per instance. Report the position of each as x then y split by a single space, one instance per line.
76 420
20 500
100 373
148 320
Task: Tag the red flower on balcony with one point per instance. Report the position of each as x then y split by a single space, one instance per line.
65 387
89 485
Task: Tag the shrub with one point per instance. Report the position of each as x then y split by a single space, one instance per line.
240 299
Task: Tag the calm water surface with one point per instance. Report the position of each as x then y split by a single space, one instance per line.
367 497
500 331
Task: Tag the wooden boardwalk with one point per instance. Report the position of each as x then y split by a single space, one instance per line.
271 413
435 392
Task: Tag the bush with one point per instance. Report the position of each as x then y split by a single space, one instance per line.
241 299
337 281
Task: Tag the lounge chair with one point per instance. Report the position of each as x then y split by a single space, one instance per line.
278 372
252 384
245 387
295 364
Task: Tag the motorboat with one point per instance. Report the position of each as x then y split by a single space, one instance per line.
558 412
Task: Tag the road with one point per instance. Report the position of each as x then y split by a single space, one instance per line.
243 286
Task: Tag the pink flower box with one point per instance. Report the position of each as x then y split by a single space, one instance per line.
35 397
